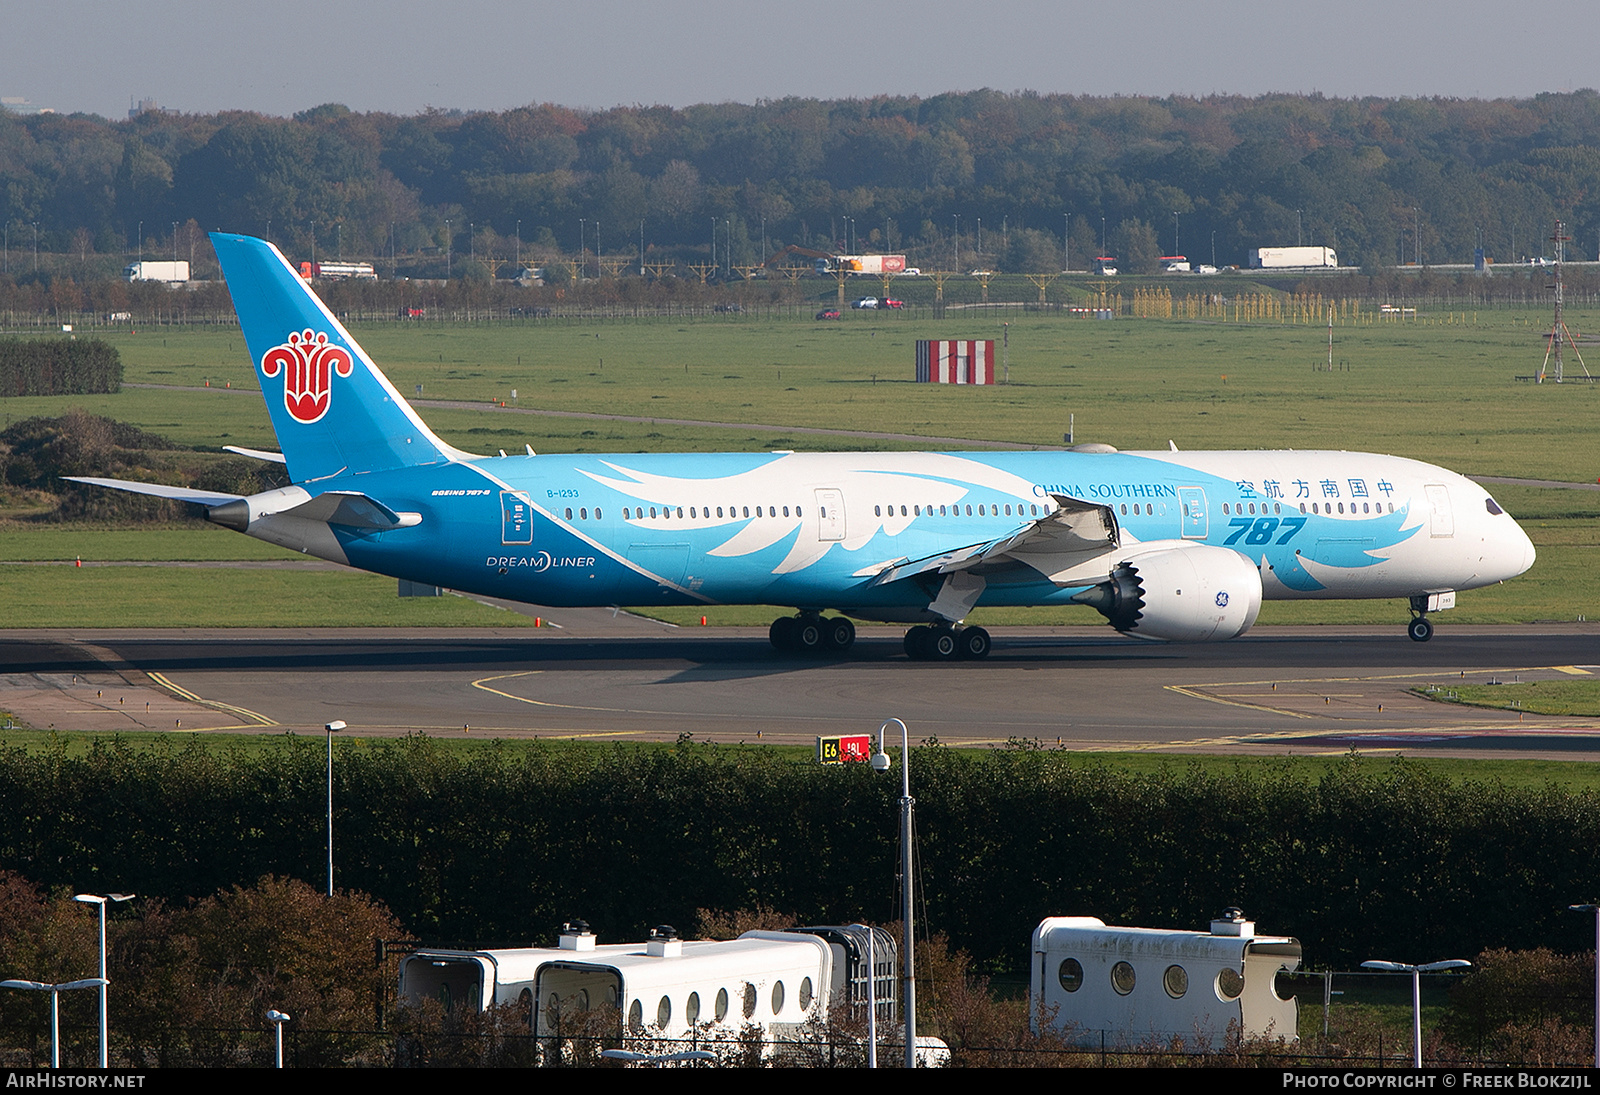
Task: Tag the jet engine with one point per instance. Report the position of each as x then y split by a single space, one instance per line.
1187 593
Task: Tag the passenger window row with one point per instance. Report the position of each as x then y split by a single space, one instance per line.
984 510
695 513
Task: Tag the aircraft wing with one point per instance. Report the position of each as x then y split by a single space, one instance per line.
160 490
1075 533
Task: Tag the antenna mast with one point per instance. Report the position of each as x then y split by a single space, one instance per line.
1558 327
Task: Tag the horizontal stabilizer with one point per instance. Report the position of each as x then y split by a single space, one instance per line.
256 454
160 490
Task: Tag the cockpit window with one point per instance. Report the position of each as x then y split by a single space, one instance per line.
1492 506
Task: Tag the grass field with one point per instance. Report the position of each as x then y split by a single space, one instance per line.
1540 697
1442 393
67 596
1439 389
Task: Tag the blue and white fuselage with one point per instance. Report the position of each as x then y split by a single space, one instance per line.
1174 545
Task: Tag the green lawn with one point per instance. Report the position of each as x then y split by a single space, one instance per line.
68 596
1442 393
1574 697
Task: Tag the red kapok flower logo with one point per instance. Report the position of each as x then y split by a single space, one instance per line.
308 363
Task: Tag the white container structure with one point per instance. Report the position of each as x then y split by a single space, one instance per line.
666 987
1127 987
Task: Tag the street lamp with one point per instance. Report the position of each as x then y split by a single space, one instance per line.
881 763
1596 910
331 729
55 992
277 1019
100 900
1416 973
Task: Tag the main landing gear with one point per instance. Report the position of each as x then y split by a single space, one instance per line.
810 633
942 643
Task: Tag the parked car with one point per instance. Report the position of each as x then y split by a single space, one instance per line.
891 303
866 302
828 313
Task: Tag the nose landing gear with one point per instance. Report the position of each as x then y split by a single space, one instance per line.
1420 629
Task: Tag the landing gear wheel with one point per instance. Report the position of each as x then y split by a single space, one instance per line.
839 634
808 635
942 645
974 642
783 633
918 643
1420 629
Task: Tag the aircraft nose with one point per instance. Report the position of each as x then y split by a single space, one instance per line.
1513 553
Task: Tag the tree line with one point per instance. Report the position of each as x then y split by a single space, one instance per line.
1007 181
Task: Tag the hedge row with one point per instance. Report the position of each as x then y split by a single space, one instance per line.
58 366
1371 860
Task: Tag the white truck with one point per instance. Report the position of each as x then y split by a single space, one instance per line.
1292 258
1129 986
863 264
145 270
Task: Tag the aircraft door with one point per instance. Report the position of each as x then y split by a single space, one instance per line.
1192 500
830 514
1441 523
516 518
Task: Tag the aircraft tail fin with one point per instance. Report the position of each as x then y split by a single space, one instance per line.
332 408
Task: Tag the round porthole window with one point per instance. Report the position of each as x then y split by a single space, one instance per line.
636 1016
664 1011
1175 981
806 993
722 1004
1230 983
691 1009
1122 978
777 997
1070 974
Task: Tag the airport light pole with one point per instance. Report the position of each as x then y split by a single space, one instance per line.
101 900
277 1019
1595 909
908 995
1416 973
55 992
331 729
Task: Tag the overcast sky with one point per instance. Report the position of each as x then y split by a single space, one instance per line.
405 55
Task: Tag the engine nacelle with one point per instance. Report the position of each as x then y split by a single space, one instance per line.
1186 593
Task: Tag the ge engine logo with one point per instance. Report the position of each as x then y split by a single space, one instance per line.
1222 600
